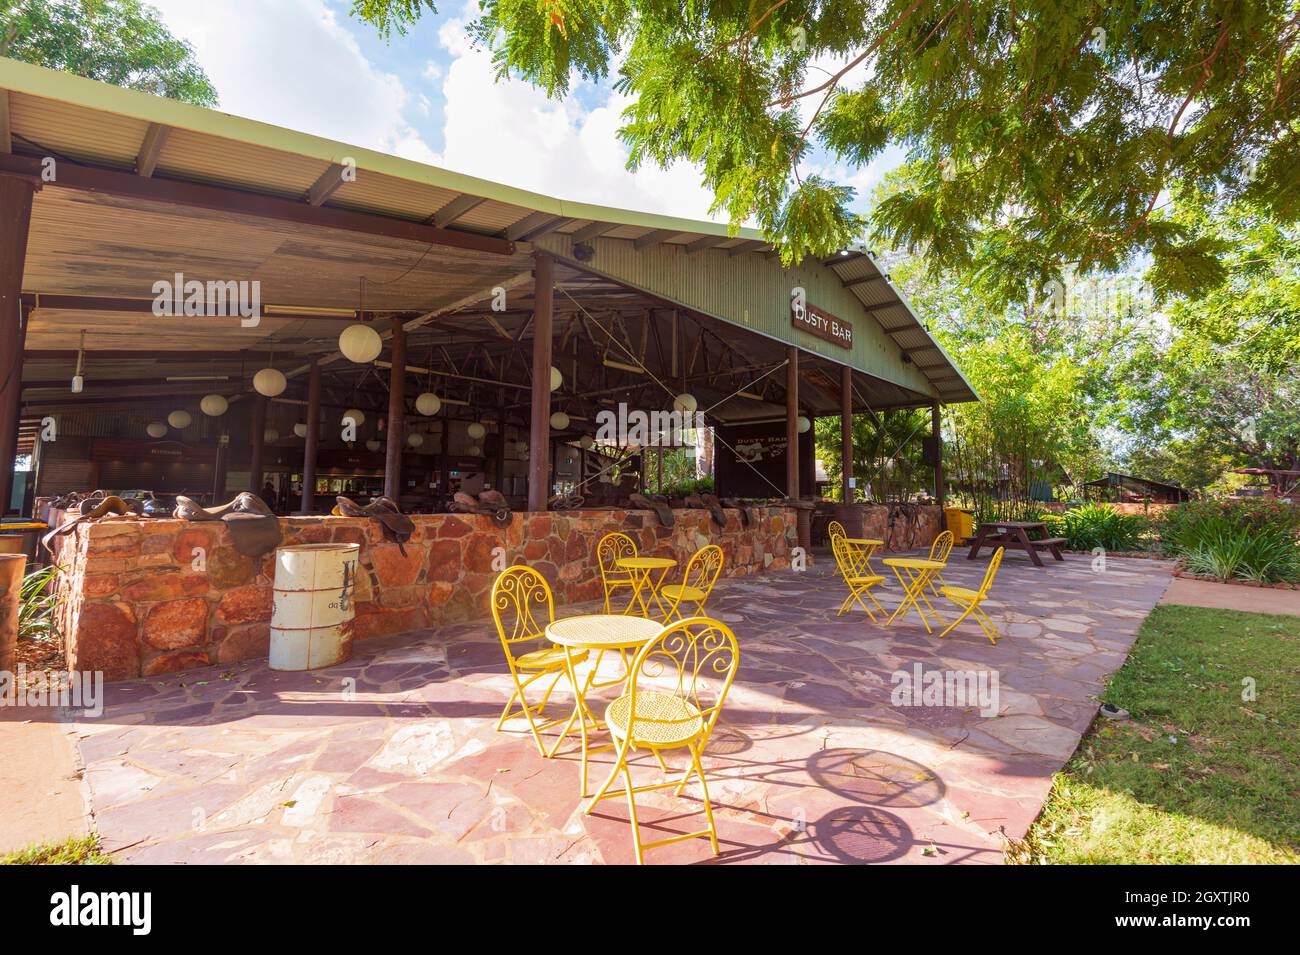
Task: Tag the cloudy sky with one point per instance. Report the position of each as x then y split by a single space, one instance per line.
431 97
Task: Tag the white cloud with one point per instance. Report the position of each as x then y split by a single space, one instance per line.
293 64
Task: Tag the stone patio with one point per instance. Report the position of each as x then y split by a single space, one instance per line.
393 758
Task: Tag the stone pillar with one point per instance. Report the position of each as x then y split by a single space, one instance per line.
539 432
16 194
312 441
396 413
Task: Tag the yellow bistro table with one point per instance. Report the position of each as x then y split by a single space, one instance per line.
914 574
600 632
642 570
863 548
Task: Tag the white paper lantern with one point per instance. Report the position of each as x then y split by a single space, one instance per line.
587 442
685 403
557 379
357 417
559 421
300 430
360 343
428 404
156 429
522 448
270 435
474 451
269 382
803 424
372 445
179 419
476 431
214 406
415 440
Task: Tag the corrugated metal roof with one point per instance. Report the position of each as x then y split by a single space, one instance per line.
105 125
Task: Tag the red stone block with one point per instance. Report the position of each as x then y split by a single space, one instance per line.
103 638
176 623
101 585
186 540
244 643
249 604
155 586
479 552
394 568
381 622
453 527
175 661
444 560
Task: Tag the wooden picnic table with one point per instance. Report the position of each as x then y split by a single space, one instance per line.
1014 535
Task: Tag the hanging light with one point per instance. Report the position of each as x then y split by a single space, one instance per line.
179 419
586 442
685 403
559 421
360 343
428 404
474 451
358 419
214 406
557 379
803 424
300 430
270 382
79 380
372 445
414 440
156 429
270 435
476 431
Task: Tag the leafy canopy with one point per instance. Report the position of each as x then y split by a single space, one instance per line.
122 42
1039 135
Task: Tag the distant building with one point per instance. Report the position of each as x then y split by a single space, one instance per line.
1124 488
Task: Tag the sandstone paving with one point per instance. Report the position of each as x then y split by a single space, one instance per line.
392 757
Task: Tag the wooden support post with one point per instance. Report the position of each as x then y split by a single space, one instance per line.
846 434
257 440
499 483
312 441
539 432
16 194
937 434
396 413
792 422
220 468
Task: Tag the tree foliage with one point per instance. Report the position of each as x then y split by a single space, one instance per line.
1041 136
122 42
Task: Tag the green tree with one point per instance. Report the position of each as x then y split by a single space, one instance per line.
122 42
1040 135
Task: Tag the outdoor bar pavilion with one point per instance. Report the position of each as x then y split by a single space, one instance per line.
481 293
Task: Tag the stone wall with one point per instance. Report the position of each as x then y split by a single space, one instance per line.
872 520
133 604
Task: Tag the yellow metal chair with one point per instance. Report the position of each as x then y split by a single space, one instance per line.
835 529
676 689
611 549
697 583
969 600
522 606
859 584
939 551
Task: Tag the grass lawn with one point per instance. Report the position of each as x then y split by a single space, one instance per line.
80 851
1199 774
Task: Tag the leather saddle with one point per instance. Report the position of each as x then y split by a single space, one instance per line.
92 508
397 527
254 528
490 503
654 502
746 517
710 502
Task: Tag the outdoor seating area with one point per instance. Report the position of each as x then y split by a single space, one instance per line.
396 755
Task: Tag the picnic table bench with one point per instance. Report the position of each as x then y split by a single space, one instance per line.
1014 535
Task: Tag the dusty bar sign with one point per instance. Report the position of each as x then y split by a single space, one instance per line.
815 321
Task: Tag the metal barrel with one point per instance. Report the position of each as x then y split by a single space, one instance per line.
311 621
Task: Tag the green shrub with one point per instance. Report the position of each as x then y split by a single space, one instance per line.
1187 527
1266 555
1097 525
38 598
688 487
